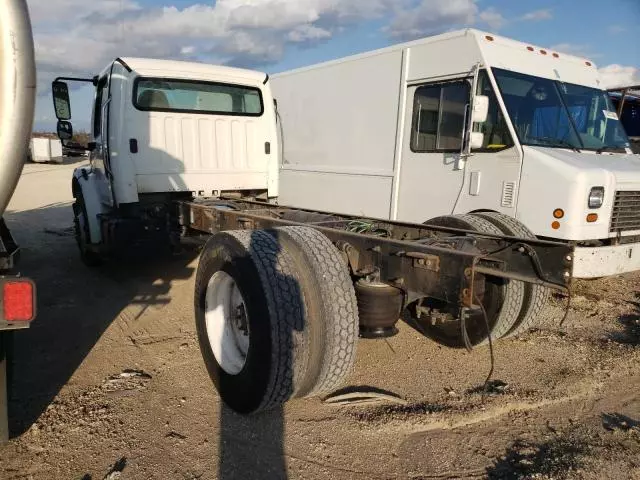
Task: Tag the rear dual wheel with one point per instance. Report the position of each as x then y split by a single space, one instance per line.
276 316
535 296
512 306
502 299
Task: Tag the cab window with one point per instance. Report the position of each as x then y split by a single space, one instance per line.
495 130
101 95
438 117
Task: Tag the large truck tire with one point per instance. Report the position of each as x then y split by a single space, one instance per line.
81 230
535 296
332 309
258 307
502 299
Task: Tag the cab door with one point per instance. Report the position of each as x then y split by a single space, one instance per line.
492 172
431 173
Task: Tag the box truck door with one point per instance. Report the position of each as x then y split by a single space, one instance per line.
492 172
431 176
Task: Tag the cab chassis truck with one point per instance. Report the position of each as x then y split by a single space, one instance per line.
281 293
17 98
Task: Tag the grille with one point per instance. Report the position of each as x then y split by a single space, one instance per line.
626 212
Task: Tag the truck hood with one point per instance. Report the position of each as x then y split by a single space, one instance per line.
624 167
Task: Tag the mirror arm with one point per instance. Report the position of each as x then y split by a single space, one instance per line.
73 79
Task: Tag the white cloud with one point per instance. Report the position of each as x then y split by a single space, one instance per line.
619 76
80 37
537 15
577 49
615 29
493 18
429 17
306 33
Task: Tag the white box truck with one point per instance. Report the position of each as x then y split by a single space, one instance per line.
40 151
391 134
46 150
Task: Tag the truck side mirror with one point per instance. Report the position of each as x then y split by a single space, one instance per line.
480 109
65 130
61 103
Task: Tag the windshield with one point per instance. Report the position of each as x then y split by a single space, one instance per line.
551 113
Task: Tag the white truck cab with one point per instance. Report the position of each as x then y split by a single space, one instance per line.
165 130
466 122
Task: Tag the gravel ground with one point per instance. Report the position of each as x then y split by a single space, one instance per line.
109 383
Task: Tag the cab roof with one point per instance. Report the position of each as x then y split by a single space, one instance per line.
191 70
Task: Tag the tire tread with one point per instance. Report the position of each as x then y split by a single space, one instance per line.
536 296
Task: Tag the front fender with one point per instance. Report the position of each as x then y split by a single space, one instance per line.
91 184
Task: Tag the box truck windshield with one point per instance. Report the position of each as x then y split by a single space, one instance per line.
550 113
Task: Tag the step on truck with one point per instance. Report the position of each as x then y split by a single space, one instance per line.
17 100
282 293
389 134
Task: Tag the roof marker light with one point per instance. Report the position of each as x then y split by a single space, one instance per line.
530 49
588 64
489 37
543 52
556 55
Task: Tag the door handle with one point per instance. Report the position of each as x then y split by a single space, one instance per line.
133 145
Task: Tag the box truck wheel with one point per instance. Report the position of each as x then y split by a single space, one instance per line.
332 309
535 296
81 229
502 299
258 318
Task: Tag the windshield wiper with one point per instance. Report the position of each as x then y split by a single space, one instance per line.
611 148
556 142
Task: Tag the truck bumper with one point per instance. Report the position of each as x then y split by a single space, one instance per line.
594 262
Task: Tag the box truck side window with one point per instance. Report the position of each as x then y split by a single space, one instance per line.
495 130
438 117
189 96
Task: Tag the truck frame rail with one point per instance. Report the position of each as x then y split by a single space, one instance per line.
444 263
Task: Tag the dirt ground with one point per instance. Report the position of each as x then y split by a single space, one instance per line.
109 383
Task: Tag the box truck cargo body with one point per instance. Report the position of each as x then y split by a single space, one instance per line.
393 134
46 150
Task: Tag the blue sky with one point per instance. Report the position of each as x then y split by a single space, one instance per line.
80 37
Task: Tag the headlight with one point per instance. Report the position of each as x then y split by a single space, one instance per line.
596 197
